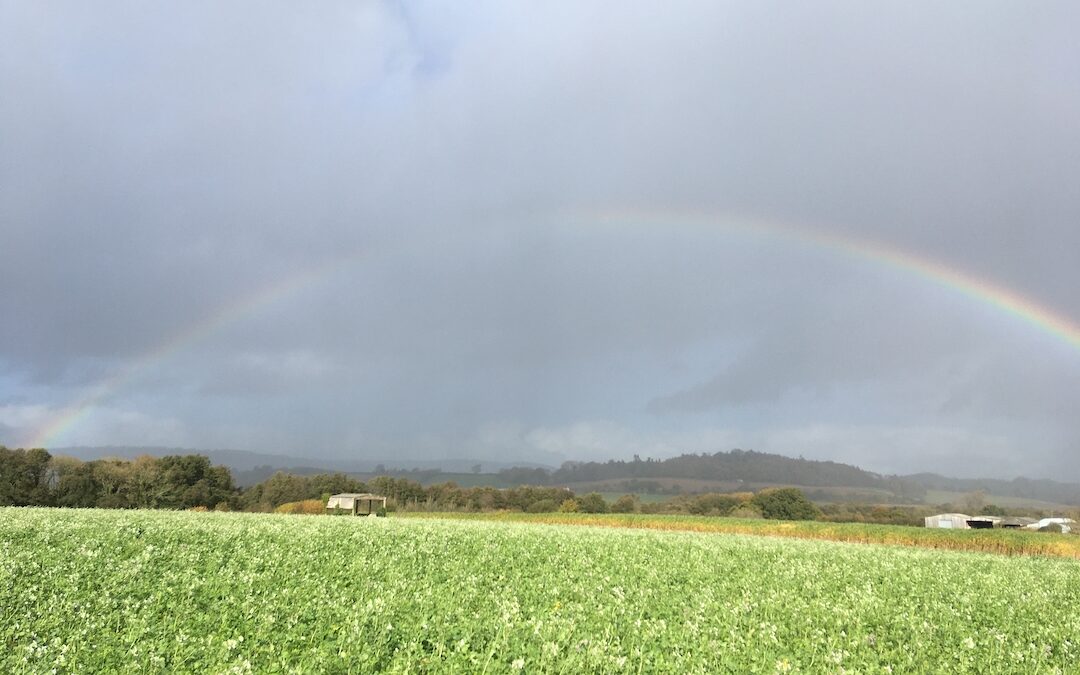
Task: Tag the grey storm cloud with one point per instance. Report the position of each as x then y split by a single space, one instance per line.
160 164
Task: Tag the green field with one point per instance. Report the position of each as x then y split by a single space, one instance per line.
143 591
1006 542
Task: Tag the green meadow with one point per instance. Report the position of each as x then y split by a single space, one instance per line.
165 592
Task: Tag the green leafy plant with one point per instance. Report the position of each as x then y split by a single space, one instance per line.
129 591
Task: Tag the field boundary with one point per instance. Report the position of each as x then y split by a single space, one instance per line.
1001 542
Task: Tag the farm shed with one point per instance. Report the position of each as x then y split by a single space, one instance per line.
949 521
984 522
1066 524
1016 523
358 504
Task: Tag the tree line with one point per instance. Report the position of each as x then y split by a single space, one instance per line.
36 478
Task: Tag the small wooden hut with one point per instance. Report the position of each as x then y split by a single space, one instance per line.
358 504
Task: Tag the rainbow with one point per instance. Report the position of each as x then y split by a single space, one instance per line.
1000 298
983 291
229 313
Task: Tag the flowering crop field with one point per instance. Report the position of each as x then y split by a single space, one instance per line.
143 591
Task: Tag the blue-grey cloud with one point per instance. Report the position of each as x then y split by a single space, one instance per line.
160 163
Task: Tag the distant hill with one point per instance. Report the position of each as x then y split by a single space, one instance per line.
720 471
1023 488
738 465
739 469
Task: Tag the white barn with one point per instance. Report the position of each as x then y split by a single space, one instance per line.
948 521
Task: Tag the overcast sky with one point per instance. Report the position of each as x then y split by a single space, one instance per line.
542 231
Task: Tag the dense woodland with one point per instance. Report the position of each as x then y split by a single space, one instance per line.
35 478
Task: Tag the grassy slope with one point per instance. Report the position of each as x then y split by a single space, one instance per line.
1008 542
1004 501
